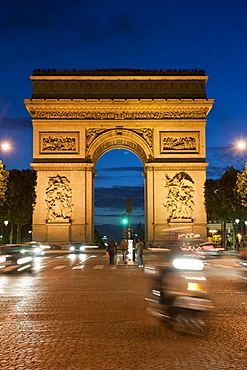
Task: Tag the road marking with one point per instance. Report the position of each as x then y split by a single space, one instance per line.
97 267
79 267
58 267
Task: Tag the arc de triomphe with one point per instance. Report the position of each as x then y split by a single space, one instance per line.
78 116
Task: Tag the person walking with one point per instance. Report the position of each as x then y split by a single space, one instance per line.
124 245
111 249
139 252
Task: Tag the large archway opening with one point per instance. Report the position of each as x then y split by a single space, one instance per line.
119 176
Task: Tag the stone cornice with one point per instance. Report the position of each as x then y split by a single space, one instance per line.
62 166
118 109
175 166
117 78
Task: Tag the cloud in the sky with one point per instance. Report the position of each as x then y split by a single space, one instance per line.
115 197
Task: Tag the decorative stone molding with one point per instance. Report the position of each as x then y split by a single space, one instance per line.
176 167
145 133
114 143
63 166
111 113
92 134
64 142
119 86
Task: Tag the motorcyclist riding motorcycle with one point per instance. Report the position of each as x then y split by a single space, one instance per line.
178 291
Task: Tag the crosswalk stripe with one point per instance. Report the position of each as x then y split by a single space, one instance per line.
58 267
97 267
78 267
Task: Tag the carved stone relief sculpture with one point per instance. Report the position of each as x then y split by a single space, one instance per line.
181 143
58 198
59 143
179 200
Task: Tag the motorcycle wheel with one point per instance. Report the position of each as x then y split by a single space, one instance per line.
188 321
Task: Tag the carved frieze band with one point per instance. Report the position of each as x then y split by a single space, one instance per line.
179 142
145 133
118 114
63 142
189 87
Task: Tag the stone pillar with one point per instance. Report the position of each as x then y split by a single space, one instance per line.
75 227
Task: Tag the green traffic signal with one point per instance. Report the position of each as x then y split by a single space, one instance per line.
124 219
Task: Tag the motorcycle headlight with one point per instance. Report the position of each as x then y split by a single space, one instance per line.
194 287
188 264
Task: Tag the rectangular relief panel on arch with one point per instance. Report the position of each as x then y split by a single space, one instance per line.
59 142
179 142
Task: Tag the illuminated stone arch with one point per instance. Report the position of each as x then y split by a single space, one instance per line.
119 139
78 116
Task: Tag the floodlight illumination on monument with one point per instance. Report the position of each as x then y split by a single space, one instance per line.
78 116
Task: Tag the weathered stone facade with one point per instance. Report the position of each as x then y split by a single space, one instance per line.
79 116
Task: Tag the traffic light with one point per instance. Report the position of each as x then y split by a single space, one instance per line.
129 205
124 219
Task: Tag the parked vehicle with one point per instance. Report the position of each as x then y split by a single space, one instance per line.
15 258
178 294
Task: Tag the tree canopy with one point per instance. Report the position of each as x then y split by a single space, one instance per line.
3 187
19 199
241 187
222 200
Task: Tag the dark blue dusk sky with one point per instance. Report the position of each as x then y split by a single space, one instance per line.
158 34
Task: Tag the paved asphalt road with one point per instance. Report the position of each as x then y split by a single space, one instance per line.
77 312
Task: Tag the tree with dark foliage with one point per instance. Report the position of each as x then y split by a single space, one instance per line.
20 199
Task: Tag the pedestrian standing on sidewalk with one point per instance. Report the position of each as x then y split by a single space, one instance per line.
111 249
124 245
139 252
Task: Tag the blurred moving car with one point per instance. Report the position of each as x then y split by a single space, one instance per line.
190 245
35 249
209 249
15 258
243 251
77 248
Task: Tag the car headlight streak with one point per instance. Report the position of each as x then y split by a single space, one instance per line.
23 260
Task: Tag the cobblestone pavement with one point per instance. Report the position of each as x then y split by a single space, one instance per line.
76 315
